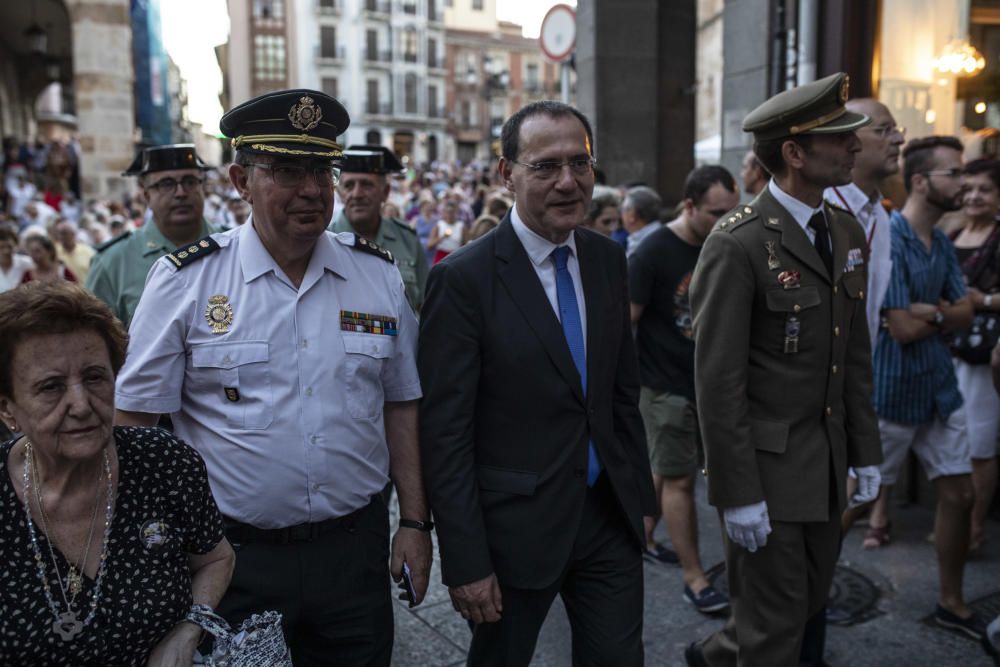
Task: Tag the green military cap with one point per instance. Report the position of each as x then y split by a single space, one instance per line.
367 159
297 123
813 108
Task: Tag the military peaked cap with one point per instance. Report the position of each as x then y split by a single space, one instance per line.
294 123
367 159
164 158
813 108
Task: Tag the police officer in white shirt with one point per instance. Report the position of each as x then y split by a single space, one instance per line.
286 355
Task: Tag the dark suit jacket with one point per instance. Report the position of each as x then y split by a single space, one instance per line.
775 424
504 424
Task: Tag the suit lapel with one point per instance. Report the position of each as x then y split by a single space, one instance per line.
518 276
793 237
597 299
838 236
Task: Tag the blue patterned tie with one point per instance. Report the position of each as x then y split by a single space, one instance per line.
569 315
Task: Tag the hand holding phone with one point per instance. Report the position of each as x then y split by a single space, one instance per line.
406 585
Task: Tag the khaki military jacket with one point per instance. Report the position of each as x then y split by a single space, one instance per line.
402 241
783 372
118 270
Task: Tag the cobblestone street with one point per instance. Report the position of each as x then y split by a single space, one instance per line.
904 572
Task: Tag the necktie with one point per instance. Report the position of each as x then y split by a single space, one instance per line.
569 315
818 223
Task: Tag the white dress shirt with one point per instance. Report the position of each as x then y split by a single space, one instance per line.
540 253
801 212
874 220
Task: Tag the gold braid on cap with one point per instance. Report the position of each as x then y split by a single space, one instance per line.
263 142
822 120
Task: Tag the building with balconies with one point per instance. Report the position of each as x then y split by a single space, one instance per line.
490 73
382 59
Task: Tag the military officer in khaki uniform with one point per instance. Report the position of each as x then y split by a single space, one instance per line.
364 187
783 375
171 178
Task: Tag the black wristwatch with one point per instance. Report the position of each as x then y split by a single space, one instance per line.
426 526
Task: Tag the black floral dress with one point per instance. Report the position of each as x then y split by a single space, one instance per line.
164 511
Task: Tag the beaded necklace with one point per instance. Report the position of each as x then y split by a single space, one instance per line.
67 624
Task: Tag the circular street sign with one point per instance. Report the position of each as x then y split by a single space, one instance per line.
558 34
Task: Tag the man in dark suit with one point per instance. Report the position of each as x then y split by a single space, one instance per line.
783 375
534 453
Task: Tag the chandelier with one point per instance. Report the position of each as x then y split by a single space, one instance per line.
960 58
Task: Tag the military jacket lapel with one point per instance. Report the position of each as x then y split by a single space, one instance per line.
793 237
838 236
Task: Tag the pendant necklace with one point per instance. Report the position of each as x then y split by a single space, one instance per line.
67 624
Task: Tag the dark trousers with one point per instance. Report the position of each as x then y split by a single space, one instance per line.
601 589
332 591
773 592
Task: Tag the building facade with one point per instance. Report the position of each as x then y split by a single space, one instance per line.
383 59
491 74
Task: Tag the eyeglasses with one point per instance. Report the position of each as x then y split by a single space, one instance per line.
884 131
549 169
293 176
954 172
168 186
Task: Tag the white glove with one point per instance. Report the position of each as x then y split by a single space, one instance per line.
869 481
748 525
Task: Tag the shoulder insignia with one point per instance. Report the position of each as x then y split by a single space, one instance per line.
364 245
736 218
192 253
107 244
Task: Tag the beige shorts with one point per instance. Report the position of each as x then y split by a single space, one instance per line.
942 446
671 433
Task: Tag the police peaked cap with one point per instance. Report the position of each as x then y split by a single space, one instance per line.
165 158
368 159
812 108
290 123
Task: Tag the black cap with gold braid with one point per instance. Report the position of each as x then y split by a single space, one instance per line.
812 108
293 123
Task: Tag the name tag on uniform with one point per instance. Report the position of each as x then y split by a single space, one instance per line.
367 323
854 259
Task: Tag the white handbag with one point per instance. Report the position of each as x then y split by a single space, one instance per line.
259 642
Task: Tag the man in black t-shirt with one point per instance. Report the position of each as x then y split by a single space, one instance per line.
659 276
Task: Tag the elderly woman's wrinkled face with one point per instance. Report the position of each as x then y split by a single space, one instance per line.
63 394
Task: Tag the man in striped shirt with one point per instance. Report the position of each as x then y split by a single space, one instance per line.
916 392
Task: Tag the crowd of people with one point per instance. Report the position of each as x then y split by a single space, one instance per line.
211 387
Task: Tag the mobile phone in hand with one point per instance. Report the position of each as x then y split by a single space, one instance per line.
407 585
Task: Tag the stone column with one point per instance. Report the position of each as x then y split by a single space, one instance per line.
102 81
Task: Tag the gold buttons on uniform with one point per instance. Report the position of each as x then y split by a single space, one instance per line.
861 294
829 411
834 369
834 289
836 331
796 308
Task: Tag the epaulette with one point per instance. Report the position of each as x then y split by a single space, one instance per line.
736 218
184 256
364 245
107 244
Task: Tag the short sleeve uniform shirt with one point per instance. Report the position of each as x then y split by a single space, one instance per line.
281 389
